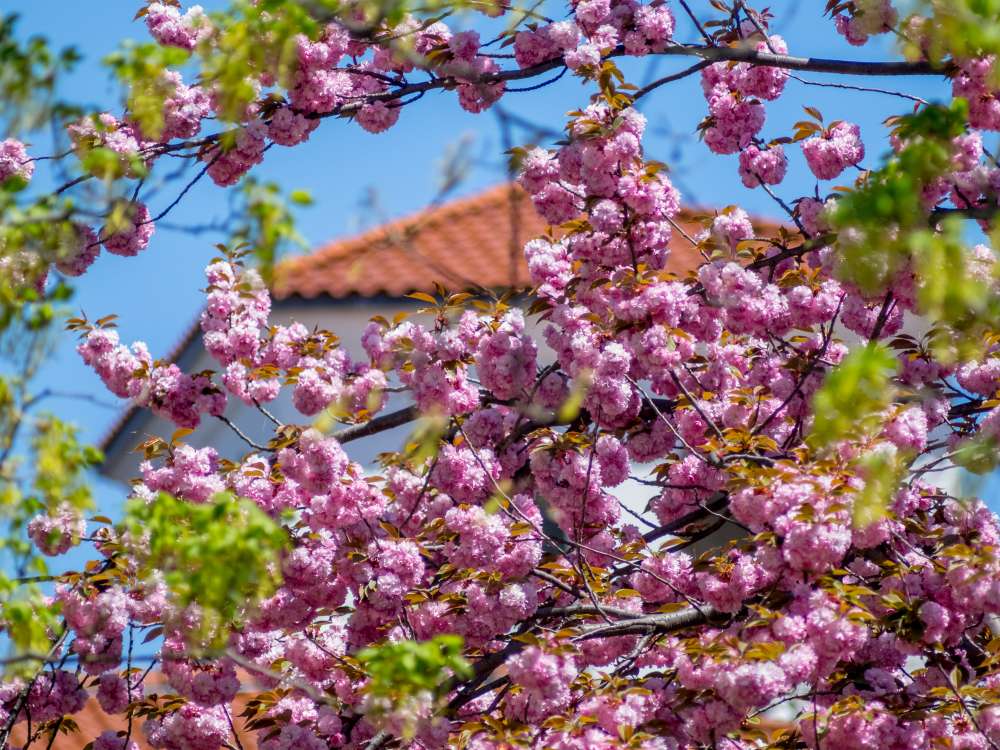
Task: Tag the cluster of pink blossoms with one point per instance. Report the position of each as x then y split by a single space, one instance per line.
55 533
193 727
163 388
134 233
599 26
865 19
734 94
184 109
97 622
190 473
749 578
53 694
171 28
763 165
836 149
14 160
973 84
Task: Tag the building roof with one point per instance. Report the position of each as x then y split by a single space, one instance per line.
465 243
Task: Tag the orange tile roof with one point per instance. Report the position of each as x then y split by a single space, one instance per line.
475 241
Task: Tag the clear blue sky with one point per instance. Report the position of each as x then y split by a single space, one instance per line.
156 294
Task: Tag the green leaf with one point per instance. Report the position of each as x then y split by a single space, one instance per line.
301 197
852 396
882 472
399 670
222 556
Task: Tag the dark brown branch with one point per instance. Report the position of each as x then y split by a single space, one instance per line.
180 196
968 409
549 578
813 64
379 424
814 362
715 504
482 669
883 316
974 212
709 54
580 610
696 22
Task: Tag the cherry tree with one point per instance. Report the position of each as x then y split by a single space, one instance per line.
488 589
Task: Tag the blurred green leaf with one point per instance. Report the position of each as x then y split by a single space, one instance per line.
853 395
222 556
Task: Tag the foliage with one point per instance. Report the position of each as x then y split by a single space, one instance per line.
141 68
220 555
893 197
853 395
269 223
955 29
405 668
29 72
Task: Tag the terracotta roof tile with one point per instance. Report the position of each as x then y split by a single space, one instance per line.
466 242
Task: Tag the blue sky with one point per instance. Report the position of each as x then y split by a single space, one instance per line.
156 294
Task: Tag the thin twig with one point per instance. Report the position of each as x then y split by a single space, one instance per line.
670 79
850 87
242 435
694 19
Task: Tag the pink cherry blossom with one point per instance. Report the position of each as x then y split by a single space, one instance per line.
14 160
838 148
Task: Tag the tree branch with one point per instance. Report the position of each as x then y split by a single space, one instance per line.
984 213
379 424
814 64
665 623
242 435
709 54
716 503
670 79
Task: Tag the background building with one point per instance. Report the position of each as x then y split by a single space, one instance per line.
463 244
